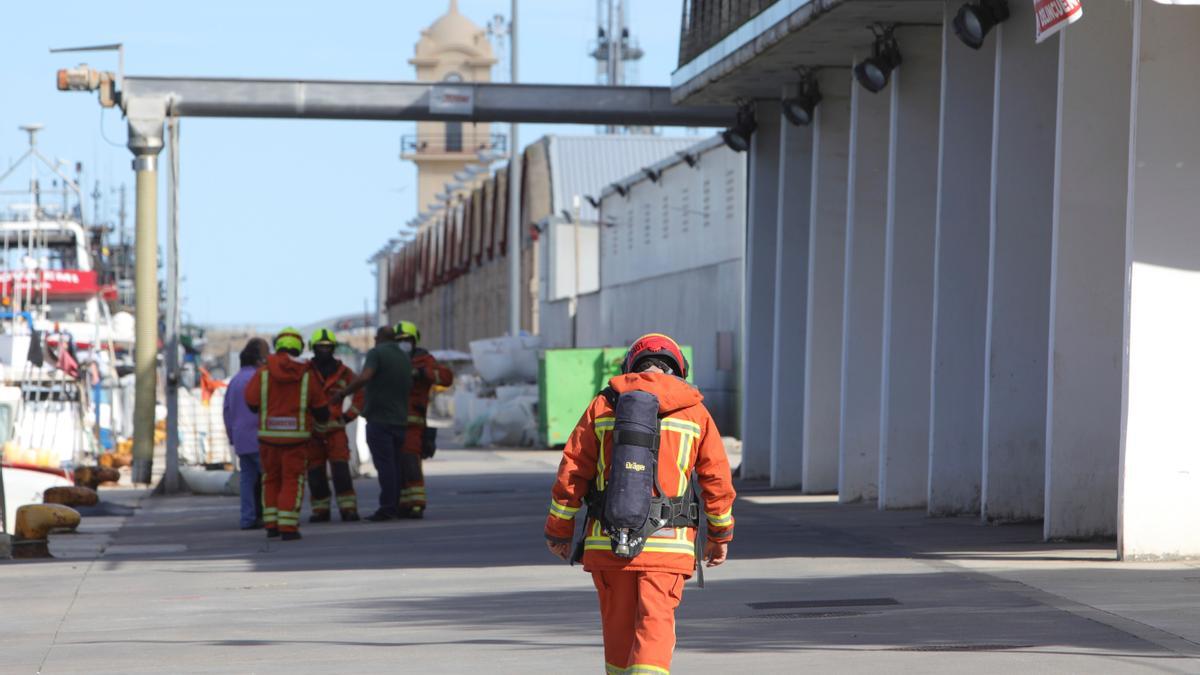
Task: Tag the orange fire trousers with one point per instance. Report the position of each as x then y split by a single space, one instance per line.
284 467
332 447
412 473
637 610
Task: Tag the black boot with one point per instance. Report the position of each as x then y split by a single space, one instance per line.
291 536
320 517
350 516
272 531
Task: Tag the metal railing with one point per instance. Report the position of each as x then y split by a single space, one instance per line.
707 22
467 142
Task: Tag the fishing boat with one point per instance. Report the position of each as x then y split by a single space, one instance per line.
64 340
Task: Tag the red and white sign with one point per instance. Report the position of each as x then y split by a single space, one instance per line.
54 282
1055 15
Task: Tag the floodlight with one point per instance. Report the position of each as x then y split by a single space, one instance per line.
738 136
799 109
875 72
976 19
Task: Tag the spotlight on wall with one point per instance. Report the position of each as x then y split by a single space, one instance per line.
737 137
976 19
621 189
593 201
652 174
799 109
875 72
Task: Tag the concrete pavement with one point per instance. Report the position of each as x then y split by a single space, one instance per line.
810 586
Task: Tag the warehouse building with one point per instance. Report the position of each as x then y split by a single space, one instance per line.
970 288
668 257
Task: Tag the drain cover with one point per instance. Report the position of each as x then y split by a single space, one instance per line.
842 602
795 616
960 648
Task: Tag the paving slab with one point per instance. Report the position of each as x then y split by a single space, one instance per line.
810 585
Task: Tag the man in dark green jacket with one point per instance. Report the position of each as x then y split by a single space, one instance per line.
387 376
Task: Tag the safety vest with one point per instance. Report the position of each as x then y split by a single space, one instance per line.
285 427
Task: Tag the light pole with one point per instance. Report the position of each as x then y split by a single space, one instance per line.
514 198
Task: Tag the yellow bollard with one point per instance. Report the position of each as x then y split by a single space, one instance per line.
77 495
34 521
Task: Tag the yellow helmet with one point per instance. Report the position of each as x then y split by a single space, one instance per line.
322 336
407 329
289 338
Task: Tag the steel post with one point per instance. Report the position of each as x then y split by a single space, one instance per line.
514 202
145 118
170 480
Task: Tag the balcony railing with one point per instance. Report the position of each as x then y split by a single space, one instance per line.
466 142
707 22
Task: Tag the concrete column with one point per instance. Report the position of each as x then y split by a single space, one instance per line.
1026 101
791 304
826 251
960 275
145 118
908 270
1087 275
862 313
1160 466
758 365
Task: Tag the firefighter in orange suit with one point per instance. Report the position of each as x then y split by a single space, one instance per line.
289 403
329 443
419 440
639 594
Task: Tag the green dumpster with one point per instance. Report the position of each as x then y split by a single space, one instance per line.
568 380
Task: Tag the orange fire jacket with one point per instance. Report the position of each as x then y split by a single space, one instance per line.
689 441
284 394
341 377
426 373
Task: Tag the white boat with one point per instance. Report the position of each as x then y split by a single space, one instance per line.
62 348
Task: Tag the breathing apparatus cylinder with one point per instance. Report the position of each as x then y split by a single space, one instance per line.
634 474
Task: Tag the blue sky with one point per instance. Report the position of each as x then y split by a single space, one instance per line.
277 216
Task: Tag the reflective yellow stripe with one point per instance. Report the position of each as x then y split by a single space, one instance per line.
602 425
646 669
320 503
301 416
416 419
262 402
683 426
263 433
610 669
720 520
562 511
603 543
300 490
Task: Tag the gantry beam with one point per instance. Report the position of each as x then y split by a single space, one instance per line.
422 101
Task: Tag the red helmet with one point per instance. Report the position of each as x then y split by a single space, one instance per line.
656 345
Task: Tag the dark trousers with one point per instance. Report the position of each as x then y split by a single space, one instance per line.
386 442
250 486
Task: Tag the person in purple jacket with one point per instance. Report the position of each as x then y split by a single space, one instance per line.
241 425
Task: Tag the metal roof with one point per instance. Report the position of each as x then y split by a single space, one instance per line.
695 150
586 165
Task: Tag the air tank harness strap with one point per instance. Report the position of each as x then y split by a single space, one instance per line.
627 437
